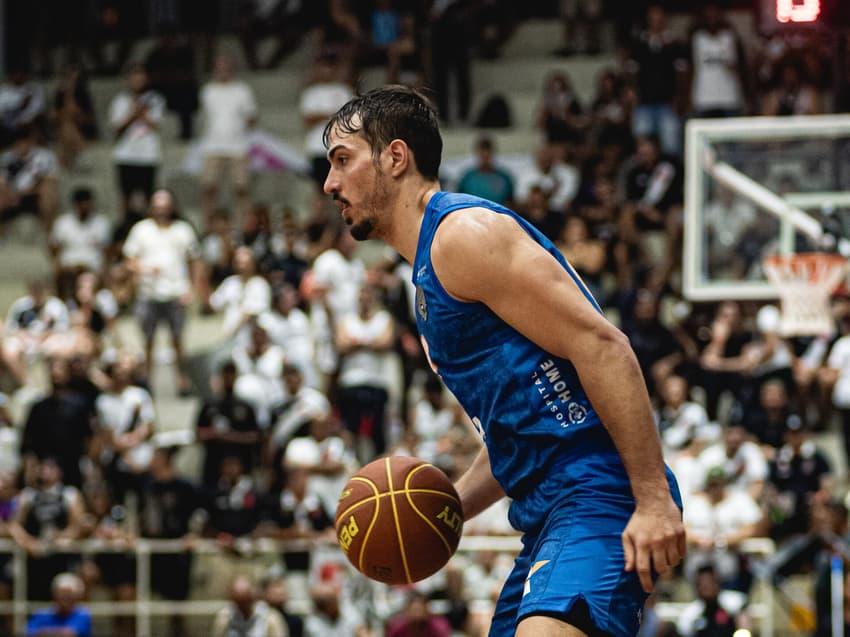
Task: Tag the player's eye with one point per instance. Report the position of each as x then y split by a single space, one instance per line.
342 160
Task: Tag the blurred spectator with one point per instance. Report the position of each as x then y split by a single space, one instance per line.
78 241
681 421
560 115
117 24
558 181
657 61
66 618
233 506
336 461
585 253
431 418
364 340
582 21
58 426
217 248
257 234
718 67
259 365
835 379
10 445
742 461
49 514
275 594
73 115
715 612
93 310
450 26
331 617
290 261
292 417
135 115
243 295
793 96
338 274
798 475
160 251
171 64
416 620
486 179
716 523
167 504
247 616
226 426
325 93
22 105
538 211
230 111
289 328
29 181
126 420
30 322
770 417
284 20
340 31
727 219
611 112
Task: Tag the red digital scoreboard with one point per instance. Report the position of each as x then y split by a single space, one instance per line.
784 14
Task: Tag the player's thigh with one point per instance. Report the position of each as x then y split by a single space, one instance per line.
541 626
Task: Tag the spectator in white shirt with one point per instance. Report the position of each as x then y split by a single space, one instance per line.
431 418
243 295
29 180
78 242
135 115
323 97
31 321
160 251
558 181
742 461
289 327
835 378
259 364
22 104
230 111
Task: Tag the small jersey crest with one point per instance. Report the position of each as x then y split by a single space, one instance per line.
421 306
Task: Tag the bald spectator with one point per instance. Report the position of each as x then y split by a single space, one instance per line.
160 251
332 618
246 616
66 618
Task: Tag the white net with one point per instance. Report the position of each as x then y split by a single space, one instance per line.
805 283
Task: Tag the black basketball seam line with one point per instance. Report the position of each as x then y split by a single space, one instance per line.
422 515
373 498
371 524
397 526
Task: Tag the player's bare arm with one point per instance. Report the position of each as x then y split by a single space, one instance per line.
487 257
477 487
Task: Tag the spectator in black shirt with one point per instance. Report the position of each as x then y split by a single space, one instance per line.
233 504
275 594
227 426
171 65
59 426
770 418
655 346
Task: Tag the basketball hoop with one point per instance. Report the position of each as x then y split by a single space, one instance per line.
805 282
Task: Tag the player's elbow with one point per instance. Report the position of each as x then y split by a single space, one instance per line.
613 345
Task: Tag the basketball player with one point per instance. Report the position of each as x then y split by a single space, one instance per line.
553 388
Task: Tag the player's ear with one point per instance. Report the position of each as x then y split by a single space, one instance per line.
399 157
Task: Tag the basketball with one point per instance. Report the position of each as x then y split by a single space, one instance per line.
399 520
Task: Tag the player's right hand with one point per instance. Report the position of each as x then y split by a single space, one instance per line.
654 539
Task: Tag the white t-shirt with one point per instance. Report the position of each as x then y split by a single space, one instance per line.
365 367
561 182
21 103
259 382
346 625
691 620
81 243
715 58
23 173
166 248
237 298
747 466
839 358
687 422
139 144
117 412
342 277
324 100
730 515
305 406
51 317
227 108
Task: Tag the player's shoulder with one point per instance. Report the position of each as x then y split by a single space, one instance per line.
472 230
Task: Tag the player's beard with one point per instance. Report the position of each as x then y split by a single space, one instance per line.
374 208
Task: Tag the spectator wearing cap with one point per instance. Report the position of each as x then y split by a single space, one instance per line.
486 179
247 616
243 295
742 460
162 251
714 611
226 426
799 474
717 521
29 180
78 241
66 617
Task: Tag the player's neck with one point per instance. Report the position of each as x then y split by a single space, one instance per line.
403 234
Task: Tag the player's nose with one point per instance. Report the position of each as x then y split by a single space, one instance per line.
331 183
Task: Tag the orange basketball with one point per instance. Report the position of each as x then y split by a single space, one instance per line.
399 520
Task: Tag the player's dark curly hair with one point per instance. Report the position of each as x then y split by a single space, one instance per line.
394 112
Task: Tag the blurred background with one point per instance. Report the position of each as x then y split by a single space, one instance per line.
196 354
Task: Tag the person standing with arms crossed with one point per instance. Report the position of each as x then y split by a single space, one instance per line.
553 388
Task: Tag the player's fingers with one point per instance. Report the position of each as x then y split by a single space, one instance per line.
673 555
683 543
660 563
628 552
643 563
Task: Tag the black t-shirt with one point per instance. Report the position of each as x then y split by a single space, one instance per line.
768 428
657 59
59 427
234 509
167 507
227 414
799 473
287 511
663 181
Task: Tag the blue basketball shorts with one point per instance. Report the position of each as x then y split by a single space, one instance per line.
575 562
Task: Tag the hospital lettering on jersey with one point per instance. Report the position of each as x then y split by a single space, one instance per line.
556 393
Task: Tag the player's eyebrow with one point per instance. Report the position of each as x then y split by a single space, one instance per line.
333 150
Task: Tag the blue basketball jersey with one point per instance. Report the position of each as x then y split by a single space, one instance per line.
543 436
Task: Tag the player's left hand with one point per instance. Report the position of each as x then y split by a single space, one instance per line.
654 539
